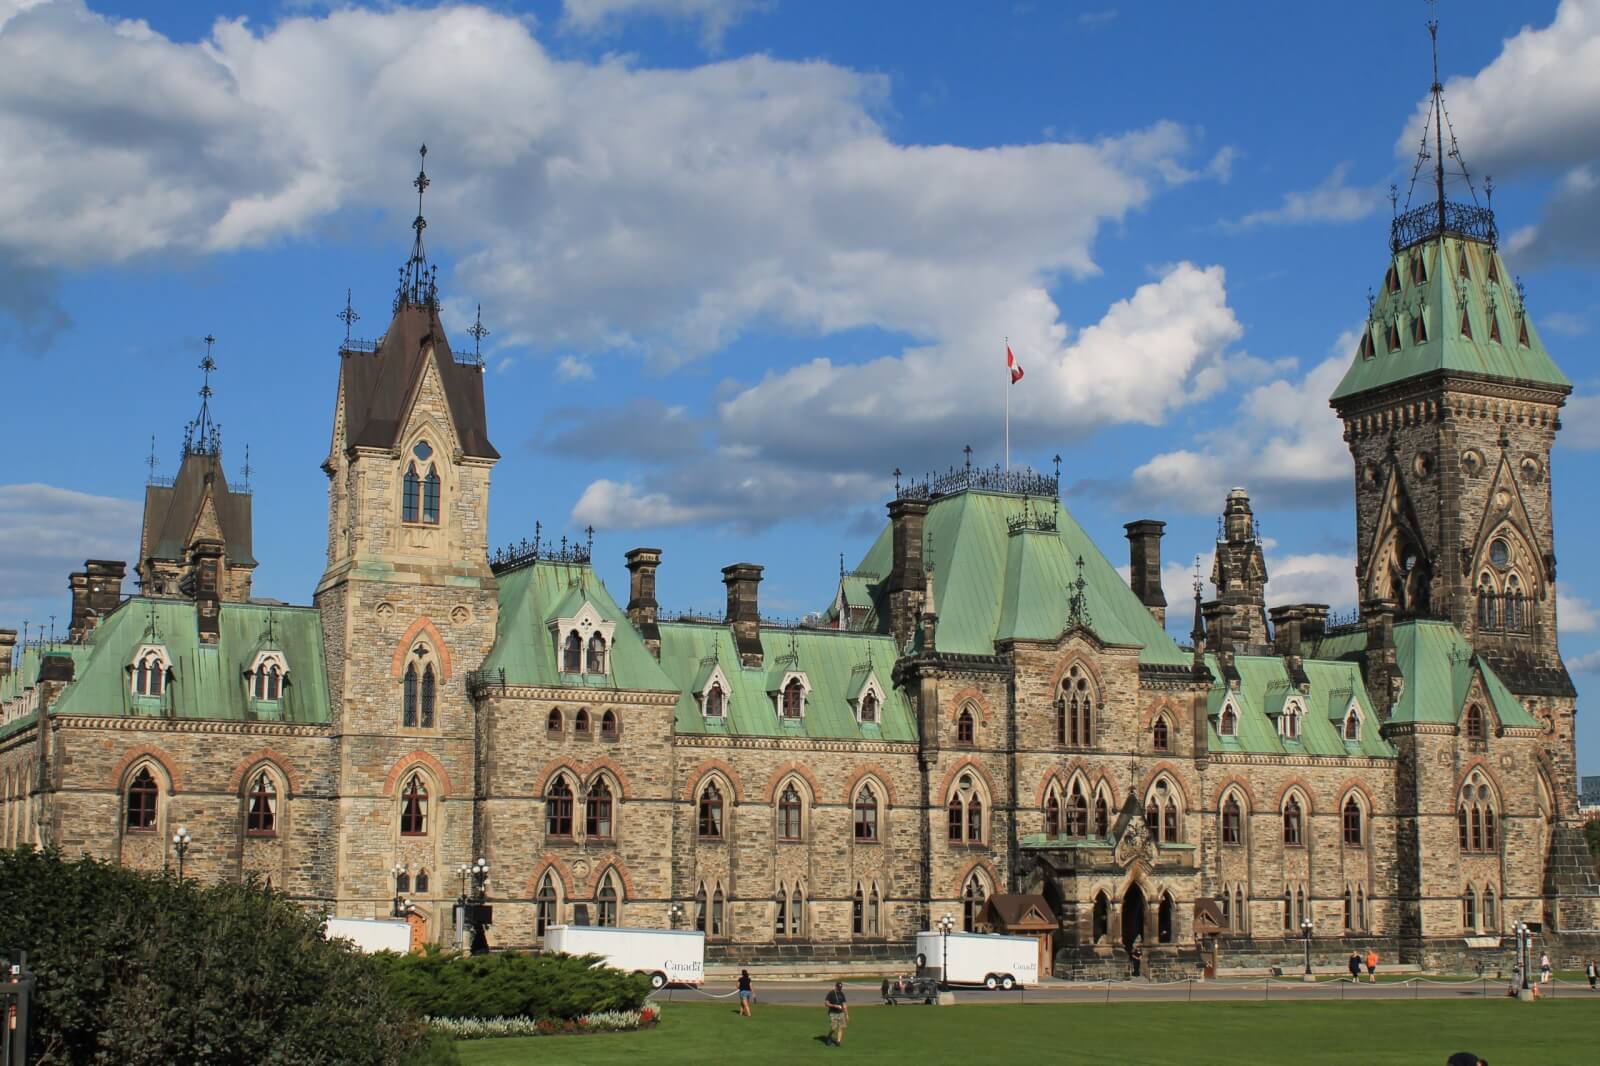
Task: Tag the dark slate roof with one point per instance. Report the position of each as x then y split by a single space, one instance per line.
170 511
378 386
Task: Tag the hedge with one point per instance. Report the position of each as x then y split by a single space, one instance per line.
439 984
139 969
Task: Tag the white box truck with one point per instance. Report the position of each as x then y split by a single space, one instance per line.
980 958
371 934
666 956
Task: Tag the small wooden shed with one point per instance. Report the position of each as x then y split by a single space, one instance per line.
1018 914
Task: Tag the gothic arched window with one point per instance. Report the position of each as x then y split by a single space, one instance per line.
143 795
1474 722
964 727
430 496
973 895
1052 815
597 810
1231 821
261 806
1075 709
408 716
793 698
866 813
1227 722
1158 734
597 654
430 692
1352 823
711 812
411 500
1292 824
791 822
547 904
414 808
606 900
1077 812
558 808
608 725
1102 816
715 701
572 654
965 811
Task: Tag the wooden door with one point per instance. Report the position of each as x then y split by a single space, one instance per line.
419 930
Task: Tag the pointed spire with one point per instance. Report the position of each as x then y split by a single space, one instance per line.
1198 632
418 285
348 316
152 462
203 436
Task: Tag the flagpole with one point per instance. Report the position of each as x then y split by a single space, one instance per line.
1008 405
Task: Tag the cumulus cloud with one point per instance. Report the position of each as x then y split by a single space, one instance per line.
1588 663
47 532
1330 201
714 16
1535 111
1577 614
1580 426
1282 442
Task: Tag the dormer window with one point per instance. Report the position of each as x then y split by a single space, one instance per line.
868 697
572 654
597 655
869 708
716 701
150 667
1352 724
1228 721
267 676
583 640
794 695
420 497
1419 329
1289 724
1419 272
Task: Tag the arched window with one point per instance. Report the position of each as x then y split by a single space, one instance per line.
1475 815
1352 725
1077 812
414 808
606 900
1292 825
143 795
267 681
711 812
580 721
869 707
1169 822
1158 734
972 897
1102 816
1352 823
793 698
552 721
547 904
597 654
261 806
1228 722
1238 909
402 882
1474 722
1152 818
1232 830
1291 722
572 654
1300 905
874 928
715 701
1349 908
1052 815
790 811
797 913
429 695
866 813
558 808
964 727
1513 603
1490 918
858 909
411 500
1469 910
597 810
716 912
1101 920
422 881
608 725
1076 706
965 811
700 909
1164 919
780 924
150 674
408 716
430 496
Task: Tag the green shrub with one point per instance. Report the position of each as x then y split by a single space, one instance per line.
510 985
139 969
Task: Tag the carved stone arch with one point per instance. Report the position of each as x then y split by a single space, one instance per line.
611 861
1055 775
547 773
422 627
429 367
609 767
1511 520
246 767
792 771
146 754
1172 773
1076 657
1396 541
874 775
549 862
969 697
710 768
1356 787
1496 788
951 776
1296 787
975 866
414 761
1235 783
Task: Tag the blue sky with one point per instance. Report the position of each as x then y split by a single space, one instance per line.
740 260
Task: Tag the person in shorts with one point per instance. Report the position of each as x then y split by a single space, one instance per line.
838 1014
746 994
1372 966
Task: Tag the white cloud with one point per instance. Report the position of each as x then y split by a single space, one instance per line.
714 16
1535 111
1576 614
1580 425
1331 201
1282 442
45 532
1565 323
1588 663
571 368
609 504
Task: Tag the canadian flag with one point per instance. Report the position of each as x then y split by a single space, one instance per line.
1014 366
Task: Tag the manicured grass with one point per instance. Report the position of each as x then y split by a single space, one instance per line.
1150 1034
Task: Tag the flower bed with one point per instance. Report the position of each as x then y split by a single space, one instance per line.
610 1021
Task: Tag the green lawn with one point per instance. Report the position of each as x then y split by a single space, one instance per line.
1420 1033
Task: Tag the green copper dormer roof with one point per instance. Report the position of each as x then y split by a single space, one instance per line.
1264 688
991 584
207 680
1438 666
530 596
1472 318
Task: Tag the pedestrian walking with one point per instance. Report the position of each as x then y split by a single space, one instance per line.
1136 956
838 1014
1592 971
1465 1058
1372 966
1355 966
1544 967
746 993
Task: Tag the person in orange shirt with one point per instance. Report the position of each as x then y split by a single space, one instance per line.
1372 966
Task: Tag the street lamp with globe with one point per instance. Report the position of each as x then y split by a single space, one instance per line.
180 844
1305 934
675 914
946 924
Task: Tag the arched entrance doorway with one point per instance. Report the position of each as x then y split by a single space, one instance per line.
1132 916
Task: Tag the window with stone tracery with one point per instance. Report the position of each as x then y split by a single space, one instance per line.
1475 815
1075 709
261 806
965 812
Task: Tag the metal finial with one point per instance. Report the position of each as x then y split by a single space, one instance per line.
1198 584
1372 303
1394 199
248 470
968 452
897 481
418 284
348 316
1056 459
589 539
203 436
151 461
841 566
477 332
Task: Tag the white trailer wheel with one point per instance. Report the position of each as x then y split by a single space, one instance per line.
1008 982
990 982
658 980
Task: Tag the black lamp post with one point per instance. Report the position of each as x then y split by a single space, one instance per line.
1305 936
180 844
402 906
675 914
946 924
1524 951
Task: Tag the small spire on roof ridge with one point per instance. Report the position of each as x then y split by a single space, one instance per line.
418 281
348 316
204 436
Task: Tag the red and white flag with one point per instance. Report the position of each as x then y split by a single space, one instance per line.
1014 366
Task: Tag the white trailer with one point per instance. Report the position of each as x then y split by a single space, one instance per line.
370 934
666 956
979 959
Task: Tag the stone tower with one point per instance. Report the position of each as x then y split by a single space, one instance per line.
408 600
1239 574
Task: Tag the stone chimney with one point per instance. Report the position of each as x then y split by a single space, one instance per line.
1383 672
80 624
1315 624
205 563
907 580
642 606
105 584
8 647
1294 625
1219 635
1144 565
743 613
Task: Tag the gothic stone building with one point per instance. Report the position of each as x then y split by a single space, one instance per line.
987 706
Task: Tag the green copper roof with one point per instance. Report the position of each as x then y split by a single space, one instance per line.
993 584
834 662
1482 292
1437 663
524 648
208 680
1265 687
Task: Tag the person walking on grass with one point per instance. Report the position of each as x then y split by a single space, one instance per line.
1355 966
1372 966
838 1014
745 993
1592 972
1544 967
